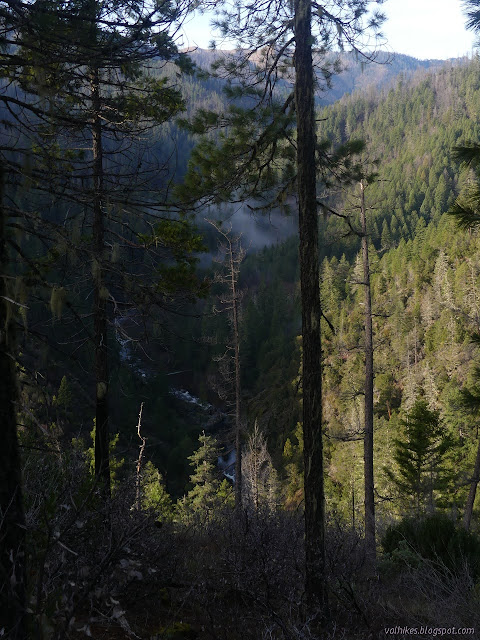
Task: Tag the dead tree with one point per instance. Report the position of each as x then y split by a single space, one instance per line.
259 476
231 256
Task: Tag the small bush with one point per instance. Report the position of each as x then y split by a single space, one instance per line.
178 631
434 538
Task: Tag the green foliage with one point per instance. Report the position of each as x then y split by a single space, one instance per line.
209 495
293 464
178 631
469 399
57 301
411 130
466 208
175 243
154 496
64 397
115 463
473 15
164 102
435 538
419 456
254 155
425 289
425 282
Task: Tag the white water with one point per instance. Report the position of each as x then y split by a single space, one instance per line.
226 462
126 353
186 396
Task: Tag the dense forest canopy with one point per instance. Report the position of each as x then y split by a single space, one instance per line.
152 358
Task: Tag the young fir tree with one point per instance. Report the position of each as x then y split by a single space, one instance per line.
208 493
419 456
154 496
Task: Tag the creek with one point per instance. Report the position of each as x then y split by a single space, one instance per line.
208 417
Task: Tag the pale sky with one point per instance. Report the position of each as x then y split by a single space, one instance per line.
427 28
420 28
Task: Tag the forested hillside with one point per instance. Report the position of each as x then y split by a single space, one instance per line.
207 93
156 478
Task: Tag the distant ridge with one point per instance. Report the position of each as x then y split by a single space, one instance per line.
356 76
384 72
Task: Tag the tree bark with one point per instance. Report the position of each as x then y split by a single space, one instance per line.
102 458
370 545
12 522
315 584
233 256
238 426
467 517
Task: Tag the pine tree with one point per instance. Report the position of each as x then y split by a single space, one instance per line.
92 76
12 526
315 584
259 158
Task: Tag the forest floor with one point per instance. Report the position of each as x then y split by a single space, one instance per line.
211 583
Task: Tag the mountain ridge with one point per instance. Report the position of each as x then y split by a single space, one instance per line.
382 71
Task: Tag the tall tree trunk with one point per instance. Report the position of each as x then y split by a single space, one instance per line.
102 461
315 584
12 531
368 438
233 254
238 426
467 517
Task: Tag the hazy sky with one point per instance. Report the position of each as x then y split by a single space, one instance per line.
420 28
427 28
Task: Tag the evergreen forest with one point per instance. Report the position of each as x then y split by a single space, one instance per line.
239 326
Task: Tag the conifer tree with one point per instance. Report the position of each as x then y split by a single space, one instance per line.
208 493
97 98
466 208
470 403
360 210
12 526
369 373
105 98
315 585
154 496
271 151
466 211
419 456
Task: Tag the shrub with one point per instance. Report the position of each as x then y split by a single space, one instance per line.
435 538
